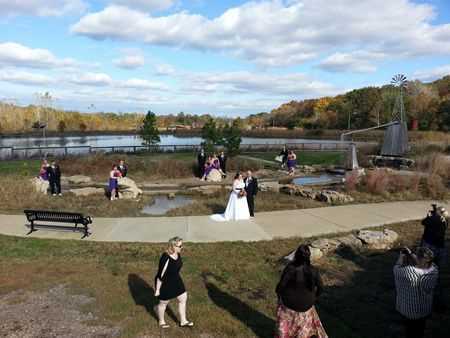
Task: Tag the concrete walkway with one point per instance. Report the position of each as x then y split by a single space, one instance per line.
265 226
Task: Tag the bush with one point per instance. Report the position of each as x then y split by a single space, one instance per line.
377 181
435 187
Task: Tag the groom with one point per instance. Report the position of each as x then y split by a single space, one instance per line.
251 188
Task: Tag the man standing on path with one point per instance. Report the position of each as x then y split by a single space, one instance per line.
223 162
201 160
54 177
251 188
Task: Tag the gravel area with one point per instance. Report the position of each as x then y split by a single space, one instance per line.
53 313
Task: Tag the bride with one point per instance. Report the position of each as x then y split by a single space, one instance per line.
237 207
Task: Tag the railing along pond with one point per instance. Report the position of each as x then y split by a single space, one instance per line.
63 151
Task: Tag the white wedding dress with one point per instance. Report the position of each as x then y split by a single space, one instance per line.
237 207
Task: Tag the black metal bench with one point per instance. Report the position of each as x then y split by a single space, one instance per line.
59 217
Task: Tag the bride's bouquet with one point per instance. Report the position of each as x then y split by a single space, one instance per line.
242 193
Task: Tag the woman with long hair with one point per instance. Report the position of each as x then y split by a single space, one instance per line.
114 175
299 287
169 285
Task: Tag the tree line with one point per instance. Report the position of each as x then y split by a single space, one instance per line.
427 107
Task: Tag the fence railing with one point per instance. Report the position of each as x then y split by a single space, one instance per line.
63 151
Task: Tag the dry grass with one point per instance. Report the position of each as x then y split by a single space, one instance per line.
231 285
21 195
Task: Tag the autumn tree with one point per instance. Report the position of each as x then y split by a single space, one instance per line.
231 138
62 126
211 135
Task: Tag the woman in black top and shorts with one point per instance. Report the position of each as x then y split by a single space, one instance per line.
169 285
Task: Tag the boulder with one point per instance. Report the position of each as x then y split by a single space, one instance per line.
40 185
350 241
128 188
87 191
325 244
333 197
79 179
207 190
380 240
315 254
214 176
269 186
306 168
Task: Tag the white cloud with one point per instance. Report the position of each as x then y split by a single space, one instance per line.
130 61
146 5
24 78
41 7
280 33
91 79
14 54
164 70
141 84
358 61
432 74
244 82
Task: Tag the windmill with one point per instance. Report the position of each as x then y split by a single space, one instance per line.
43 102
398 113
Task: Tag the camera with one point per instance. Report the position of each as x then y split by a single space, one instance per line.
405 251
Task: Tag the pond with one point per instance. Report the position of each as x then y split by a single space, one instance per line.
163 204
322 179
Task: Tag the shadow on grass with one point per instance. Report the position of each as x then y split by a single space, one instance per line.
261 325
144 295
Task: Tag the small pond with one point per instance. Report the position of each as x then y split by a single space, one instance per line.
322 179
163 204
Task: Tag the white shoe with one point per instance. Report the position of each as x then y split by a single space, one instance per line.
54 195
59 194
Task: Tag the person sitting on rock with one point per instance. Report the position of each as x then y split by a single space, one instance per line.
114 175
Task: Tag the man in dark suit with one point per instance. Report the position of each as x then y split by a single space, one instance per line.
54 177
251 188
123 168
201 160
223 162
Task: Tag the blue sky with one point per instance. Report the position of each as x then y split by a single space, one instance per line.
228 58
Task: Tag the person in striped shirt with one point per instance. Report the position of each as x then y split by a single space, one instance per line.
415 279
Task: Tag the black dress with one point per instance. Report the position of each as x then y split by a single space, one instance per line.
172 284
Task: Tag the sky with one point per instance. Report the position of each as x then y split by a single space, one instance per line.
227 58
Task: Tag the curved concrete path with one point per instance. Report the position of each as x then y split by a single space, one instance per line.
265 226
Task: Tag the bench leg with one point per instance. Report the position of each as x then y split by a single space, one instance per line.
32 229
86 231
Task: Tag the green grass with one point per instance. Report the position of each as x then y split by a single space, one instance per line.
231 285
20 167
325 158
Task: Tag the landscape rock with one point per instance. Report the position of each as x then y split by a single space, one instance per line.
40 185
307 169
79 179
128 188
316 254
87 191
207 190
350 241
380 240
214 176
325 244
328 196
269 186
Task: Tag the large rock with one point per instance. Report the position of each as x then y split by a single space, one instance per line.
333 197
214 176
325 244
306 169
315 254
79 179
40 185
207 190
87 191
269 186
380 240
350 241
128 188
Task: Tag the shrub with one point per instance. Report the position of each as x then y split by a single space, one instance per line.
435 187
377 181
351 181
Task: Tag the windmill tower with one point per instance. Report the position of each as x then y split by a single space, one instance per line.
395 142
43 102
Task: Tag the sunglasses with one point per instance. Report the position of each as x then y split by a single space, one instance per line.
179 246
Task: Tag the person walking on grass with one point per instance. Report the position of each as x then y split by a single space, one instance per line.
54 177
297 292
415 278
169 285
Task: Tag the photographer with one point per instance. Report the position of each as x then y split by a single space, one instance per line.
435 226
415 279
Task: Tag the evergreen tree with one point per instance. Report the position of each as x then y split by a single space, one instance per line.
231 138
149 131
211 135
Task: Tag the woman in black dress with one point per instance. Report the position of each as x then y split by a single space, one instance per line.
169 285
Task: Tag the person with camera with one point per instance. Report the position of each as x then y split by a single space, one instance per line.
435 225
415 278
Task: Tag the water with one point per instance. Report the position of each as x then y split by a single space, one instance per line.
130 141
312 180
163 204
